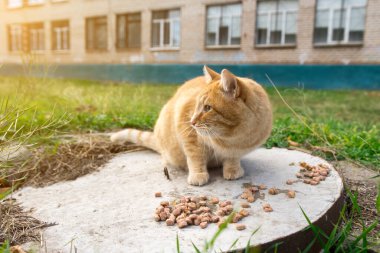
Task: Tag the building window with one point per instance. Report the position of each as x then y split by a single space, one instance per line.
166 29
15 38
36 37
128 27
15 4
96 34
339 21
223 25
276 22
60 35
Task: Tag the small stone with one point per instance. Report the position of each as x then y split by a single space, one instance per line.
158 194
291 194
240 227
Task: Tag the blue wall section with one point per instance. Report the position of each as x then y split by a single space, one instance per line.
308 76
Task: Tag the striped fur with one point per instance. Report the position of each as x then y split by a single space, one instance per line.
143 138
212 120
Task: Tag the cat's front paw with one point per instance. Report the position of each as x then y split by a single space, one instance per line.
198 179
232 173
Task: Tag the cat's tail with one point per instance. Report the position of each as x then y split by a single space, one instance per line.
143 138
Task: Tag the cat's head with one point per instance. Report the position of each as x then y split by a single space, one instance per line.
224 105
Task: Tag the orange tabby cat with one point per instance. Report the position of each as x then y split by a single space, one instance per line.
211 121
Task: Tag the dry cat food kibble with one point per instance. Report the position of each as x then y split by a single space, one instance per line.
240 226
310 174
267 208
158 194
196 210
291 194
273 191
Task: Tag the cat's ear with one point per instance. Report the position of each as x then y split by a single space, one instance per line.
209 74
229 84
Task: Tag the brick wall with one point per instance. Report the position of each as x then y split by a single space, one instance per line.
192 48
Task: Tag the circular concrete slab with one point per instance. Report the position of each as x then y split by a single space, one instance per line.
112 210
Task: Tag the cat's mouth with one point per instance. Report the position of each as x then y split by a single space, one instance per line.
202 131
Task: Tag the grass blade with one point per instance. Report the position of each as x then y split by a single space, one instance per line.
195 248
177 244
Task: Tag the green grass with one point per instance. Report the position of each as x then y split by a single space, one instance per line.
346 122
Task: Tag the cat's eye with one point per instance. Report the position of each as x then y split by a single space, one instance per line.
206 108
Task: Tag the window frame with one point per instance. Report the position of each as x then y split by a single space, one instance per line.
161 21
29 28
346 26
20 39
127 47
53 48
269 14
219 46
96 50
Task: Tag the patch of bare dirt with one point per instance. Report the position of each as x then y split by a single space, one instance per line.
17 226
71 159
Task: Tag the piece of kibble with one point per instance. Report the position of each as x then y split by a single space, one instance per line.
170 222
254 189
289 182
157 217
189 221
262 187
158 194
202 203
312 182
244 195
291 194
245 205
197 221
194 199
177 211
251 199
240 227
215 219
244 212
203 225
214 200
220 213
273 191
182 224
192 205
203 197
307 181
267 207
323 173
237 217
316 179
163 216
298 175
164 203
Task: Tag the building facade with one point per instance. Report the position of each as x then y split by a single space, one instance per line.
300 32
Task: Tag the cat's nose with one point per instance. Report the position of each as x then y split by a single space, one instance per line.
193 122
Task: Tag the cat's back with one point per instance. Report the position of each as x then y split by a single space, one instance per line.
191 88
